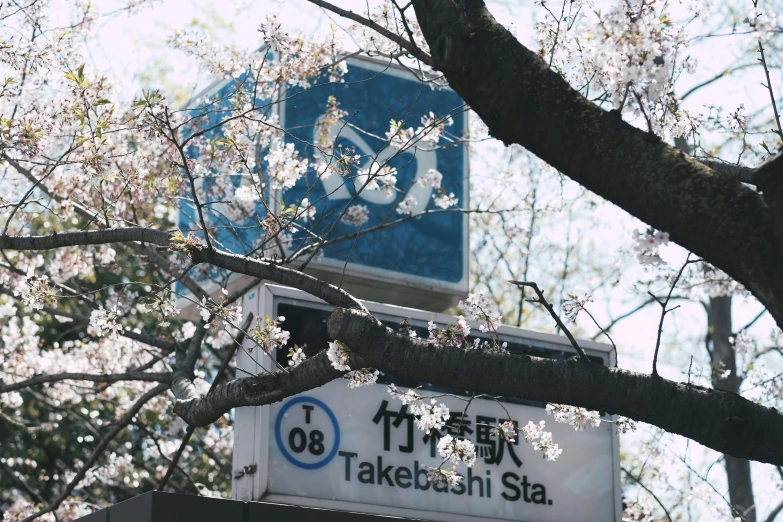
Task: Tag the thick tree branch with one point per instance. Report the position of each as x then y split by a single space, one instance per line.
257 390
717 419
522 101
731 170
87 237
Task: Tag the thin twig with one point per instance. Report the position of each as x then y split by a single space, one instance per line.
542 300
763 61
638 481
665 310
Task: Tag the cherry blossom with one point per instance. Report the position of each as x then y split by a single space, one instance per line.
270 335
104 323
541 440
456 450
646 245
577 418
432 178
359 378
445 201
441 475
338 356
296 356
406 206
356 215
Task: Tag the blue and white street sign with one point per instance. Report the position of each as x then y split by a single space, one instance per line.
430 250
418 259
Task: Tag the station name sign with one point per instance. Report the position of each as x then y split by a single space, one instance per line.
359 450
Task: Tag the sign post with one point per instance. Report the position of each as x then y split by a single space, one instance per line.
358 449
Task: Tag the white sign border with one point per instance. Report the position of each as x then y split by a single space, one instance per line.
252 423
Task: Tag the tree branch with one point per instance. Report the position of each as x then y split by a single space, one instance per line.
409 46
191 427
87 237
522 101
774 513
98 451
542 301
717 419
278 274
648 490
92 377
257 390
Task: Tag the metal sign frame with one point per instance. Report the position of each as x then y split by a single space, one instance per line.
252 424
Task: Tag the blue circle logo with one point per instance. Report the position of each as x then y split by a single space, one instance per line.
301 440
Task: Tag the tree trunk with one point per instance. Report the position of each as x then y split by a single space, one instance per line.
723 359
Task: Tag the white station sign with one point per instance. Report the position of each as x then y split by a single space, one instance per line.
359 450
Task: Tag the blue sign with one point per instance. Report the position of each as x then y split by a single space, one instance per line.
431 247
301 443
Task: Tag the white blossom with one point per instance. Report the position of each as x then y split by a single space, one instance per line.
307 210
35 291
577 418
246 197
285 165
270 335
447 476
7 310
743 342
105 255
764 23
429 416
203 310
456 450
356 215
479 308
104 323
506 430
406 206
338 356
11 400
407 397
541 440
296 356
443 201
432 128
359 378
377 177
646 245
398 137
432 178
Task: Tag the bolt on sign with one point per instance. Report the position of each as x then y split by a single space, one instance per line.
358 449
398 255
